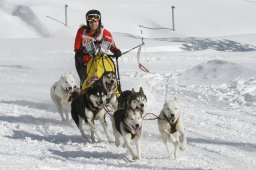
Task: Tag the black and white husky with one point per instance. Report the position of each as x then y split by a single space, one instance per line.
135 100
127 121
170 124
108 80
88 106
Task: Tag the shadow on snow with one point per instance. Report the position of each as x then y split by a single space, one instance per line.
28 119
250 147
105 156
56 139
195 44
41 106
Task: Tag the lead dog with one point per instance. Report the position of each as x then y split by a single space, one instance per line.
88 107
127 121
61 92
170 124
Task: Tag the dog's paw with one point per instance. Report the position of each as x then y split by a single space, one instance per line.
182 146
93 139
117 143
111 141
135 157
175 155
124 145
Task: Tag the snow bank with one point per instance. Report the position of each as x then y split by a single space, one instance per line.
215 72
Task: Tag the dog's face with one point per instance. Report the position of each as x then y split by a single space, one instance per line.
109 80
67 82
97 95
134 120
171 110
138 100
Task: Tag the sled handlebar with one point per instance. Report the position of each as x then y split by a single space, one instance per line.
112 56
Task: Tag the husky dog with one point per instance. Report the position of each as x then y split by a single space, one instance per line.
108 79
61 92
88 106
128 124
170 124
135 100
127 120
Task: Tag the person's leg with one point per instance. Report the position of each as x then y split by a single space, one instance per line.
81 70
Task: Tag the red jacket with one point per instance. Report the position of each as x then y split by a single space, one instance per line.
80 37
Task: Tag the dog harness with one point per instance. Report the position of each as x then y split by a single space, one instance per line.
173 128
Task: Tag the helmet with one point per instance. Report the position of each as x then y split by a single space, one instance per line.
93 11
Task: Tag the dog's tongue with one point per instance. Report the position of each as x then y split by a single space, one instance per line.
172 119
137 130
108 86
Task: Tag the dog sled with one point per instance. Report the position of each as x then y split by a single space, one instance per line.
99 63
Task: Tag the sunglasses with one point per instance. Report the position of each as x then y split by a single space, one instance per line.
92 17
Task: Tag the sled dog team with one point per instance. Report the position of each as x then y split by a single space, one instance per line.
127 112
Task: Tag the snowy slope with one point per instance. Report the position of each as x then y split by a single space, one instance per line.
197 18
208 63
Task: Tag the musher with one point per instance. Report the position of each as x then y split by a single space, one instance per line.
93 31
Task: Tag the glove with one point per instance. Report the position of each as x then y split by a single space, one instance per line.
118 53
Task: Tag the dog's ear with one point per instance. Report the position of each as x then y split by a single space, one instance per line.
141 90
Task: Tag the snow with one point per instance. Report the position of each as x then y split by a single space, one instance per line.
215 71
208 63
